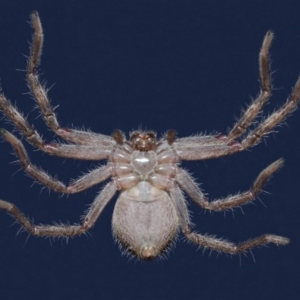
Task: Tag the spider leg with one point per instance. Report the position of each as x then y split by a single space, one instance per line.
96 176
22 124
205 147
64 230
198 151
219 145
252 111
87 139
215 243
231 248
93 151
265 92
274 119
74 136
40 94
190 187
82 152
191 149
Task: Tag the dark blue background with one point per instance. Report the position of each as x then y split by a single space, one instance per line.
185 65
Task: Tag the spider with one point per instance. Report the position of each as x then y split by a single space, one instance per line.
151 208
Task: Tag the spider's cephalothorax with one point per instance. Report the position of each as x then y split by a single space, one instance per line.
151 208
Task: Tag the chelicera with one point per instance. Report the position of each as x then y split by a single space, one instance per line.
151 208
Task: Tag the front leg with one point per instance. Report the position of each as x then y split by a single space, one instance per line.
74 136
198 149
190 187
40 94
265 91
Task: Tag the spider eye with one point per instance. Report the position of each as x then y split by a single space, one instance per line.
143 141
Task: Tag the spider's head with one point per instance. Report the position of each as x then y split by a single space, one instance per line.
143 141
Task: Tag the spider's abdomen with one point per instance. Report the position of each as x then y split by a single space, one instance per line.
145 221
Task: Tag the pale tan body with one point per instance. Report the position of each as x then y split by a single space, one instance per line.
151 208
